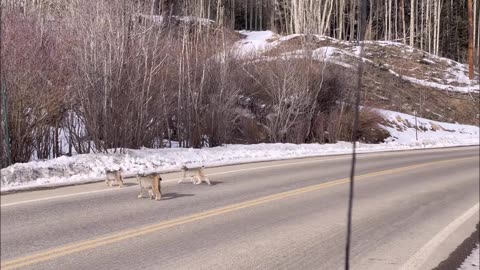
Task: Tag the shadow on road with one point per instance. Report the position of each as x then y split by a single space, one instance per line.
173 195
202 184
214 183
129 184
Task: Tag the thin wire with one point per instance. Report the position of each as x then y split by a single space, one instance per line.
361 36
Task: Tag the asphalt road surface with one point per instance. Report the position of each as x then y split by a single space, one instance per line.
411 210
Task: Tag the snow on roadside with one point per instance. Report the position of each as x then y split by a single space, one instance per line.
472 262
402 130
91 167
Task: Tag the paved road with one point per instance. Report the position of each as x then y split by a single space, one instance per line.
411 210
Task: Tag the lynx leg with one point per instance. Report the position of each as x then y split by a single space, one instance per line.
203 177
197 180
151 194
141 188
158 196
120 181
157 188
207 180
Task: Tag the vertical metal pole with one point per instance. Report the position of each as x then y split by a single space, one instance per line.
362 11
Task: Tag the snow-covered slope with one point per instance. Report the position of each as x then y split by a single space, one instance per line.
91 167
254 42
408 63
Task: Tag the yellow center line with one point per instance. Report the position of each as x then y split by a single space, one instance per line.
131 233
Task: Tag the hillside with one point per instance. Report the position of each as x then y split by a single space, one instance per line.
192 79
397 77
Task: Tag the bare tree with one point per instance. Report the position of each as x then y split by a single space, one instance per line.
471 55
412 22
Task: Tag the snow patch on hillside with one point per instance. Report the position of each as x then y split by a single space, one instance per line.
464 89
453 78
160 19
254 43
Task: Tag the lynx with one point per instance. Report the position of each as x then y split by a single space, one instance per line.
195 174
114 176
150 183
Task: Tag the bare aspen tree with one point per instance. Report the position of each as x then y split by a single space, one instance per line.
388 19
326 23
353 7
402 7
427 25
341 9
438 26
412 23
369 34
470 40
395 17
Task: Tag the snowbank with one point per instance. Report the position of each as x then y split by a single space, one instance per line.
402 130
473 261
91 167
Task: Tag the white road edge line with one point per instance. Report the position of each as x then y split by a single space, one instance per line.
167 181
57 197
421 256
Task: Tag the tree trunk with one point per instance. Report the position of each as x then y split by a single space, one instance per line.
340 19
412 23
402 6
478 42
470 40
3 146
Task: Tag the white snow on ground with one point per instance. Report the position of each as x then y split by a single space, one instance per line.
327 54
402 130
473 261
465 89
385 43
159 19
459 74
255 42
91 167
